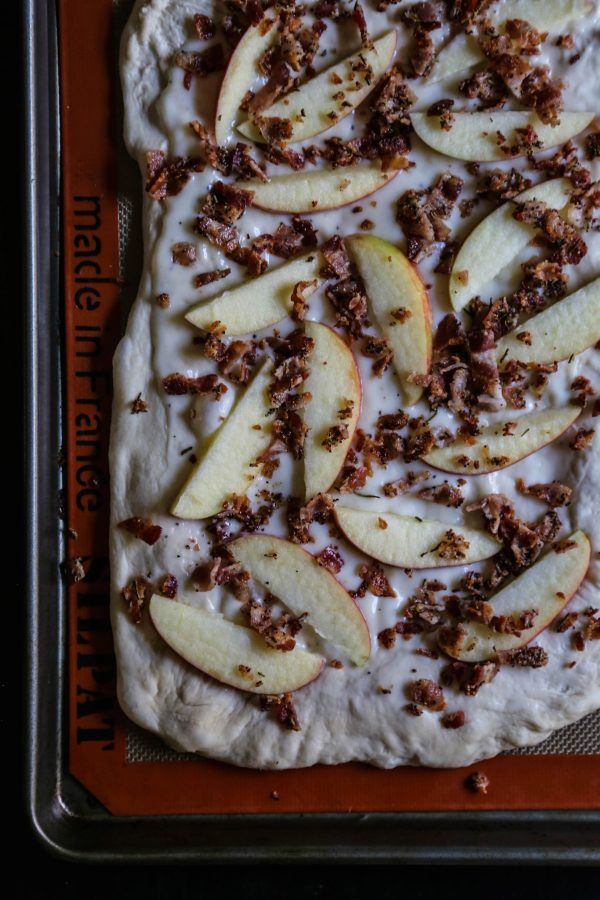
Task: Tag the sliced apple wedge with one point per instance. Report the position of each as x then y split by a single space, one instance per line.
296 578
474 136
334 384
230 653
564 330
400 306
496 448
320 189
261 301
547 586
464 52
412 543
241 71
227 466
332 94
497 240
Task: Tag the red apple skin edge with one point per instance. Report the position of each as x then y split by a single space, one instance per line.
329 575
319 209
548 624
360 391
469 474
227 683
448 565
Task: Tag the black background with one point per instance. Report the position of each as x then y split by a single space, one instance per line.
26 865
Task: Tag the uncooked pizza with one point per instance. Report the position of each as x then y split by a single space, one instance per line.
355 468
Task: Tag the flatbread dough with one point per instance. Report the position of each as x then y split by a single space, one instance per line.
343 714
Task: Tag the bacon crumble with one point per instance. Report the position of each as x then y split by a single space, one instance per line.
144 529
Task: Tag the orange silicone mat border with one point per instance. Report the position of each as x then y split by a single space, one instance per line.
97 753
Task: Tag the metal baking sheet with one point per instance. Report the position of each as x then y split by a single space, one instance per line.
65 814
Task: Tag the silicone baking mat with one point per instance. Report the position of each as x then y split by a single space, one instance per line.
129 771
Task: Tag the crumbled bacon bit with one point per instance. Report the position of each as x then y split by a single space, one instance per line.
204 278
73 568
499 185
168 586
566 622
135 595
283 709
428 694
299 306
177 384
260 619
445 494
205 27
532 657
183 253
487 87
330 558
583 439
274 129
336 664
144 529
387 638
378 349
443 109
201 63
226 203
421 214
336 258
592 145
478 783
414 710
554 494
138 405
454 720
453 546
373 580
167 177
318 509
358 17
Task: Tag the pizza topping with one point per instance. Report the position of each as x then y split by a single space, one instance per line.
226 203
318 509
454 720
554 494
205 27
168 177
260 619
144 529
168 586
176 385
329 557
445 494
428 694
532 657
422 215
199 64
583 439
373 580
204 278
283 710
135 594
183 254
138 405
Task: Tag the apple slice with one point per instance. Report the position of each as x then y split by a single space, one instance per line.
261 301
394 287
241 71
319 189
228 465
230 653
464 52
297 579
334 383
497 240
474 137
494 449
547 586
332 94
559 332
410 542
